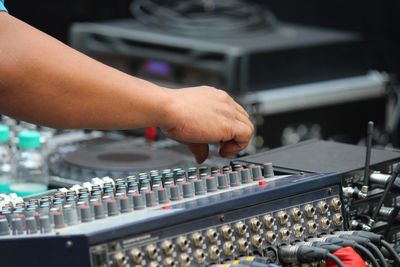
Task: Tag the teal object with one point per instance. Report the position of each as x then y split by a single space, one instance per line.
29 139
2 7
4 133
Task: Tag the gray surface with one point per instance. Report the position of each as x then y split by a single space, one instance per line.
322 157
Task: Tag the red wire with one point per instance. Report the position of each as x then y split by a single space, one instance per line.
349 257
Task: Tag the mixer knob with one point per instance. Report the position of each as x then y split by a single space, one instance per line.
234 178
45 225
31 225
211 184
222 181
138 202
162 196
112 207
175 194
99 212
245 175
125 204
150 199
268 170
86 215
199 187
187 190
257 173
58 218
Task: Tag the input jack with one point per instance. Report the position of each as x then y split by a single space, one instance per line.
184 260
325 223
228 248
283 217
270 237
256 241
214 252
336 204
255 224
311 227
322 207
120 259
310 210
298 230
268 221
197 239
152 251
226 231
240 228
212 235
337 219
243 245
167 247
169 262
183 243
296 214
284 234
199 256
136 255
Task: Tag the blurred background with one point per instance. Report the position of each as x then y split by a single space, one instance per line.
303 69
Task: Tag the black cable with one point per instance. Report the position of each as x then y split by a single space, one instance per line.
370 130
388 188
367 254
208 18
335 259
392 252
375 250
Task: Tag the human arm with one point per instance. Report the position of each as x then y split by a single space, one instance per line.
48 83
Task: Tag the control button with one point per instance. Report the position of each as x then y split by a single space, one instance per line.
211 184
188 191
222 181
138 203
199 187
268 170
234 178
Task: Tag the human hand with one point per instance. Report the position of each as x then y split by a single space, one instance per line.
198 116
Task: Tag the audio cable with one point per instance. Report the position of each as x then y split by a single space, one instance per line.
305 254
375 239
365 253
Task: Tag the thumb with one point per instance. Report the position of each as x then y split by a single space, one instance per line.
200 151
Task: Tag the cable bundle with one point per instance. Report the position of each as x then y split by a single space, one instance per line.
209 18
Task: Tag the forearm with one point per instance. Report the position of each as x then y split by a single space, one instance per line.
46 82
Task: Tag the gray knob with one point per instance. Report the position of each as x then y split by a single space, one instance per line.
234 178
245 176
222 182
58 219
70 215
17 225
257 173
112 207
45 226
125 204
162 196
187 190
211 184
99 212
268 170
175 194
150 199
138 203
31 225
86 214
4 229
199 187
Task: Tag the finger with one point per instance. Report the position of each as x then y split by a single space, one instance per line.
245 119
200 151
242 135
241 109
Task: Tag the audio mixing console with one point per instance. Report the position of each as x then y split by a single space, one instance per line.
194 217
